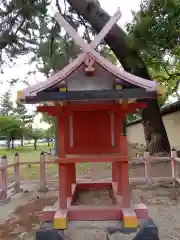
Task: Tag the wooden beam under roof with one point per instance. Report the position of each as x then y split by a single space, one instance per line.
111 94
70 108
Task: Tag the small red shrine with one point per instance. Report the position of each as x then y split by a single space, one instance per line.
90 99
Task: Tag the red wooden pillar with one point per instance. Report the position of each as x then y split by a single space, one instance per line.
62 185
71 177
62 168
122 171
117 137
124 183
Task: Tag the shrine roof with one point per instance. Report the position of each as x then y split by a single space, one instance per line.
61 75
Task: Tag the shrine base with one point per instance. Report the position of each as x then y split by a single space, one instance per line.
60 217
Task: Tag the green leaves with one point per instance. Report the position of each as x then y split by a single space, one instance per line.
19 20
155 32
108 54
10 127
6 104
21 112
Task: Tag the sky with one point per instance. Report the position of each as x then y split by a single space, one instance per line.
22 67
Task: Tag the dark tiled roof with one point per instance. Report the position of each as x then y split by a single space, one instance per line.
167 109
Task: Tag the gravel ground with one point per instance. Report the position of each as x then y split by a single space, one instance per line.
163 202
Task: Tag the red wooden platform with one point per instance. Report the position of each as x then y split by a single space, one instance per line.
94 212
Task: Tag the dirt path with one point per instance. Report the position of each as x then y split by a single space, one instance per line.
20 215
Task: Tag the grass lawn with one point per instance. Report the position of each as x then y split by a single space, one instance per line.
27 153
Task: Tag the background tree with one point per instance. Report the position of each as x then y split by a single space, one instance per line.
155 32
20 112
19 21
6 104
49 134
11 128
35 134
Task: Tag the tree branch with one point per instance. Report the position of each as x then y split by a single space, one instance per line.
58 6
175 88
20 26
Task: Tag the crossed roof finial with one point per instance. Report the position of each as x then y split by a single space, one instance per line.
98 38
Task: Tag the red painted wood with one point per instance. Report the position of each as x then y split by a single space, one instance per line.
61 135
72 172
69 184
94 213
101 213
69 108
123 183
87 150
141 210
91 133
64 188
71 178
92 158
117 131
63 185
123 145
92 130
93 185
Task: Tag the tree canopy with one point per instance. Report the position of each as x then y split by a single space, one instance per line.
155 32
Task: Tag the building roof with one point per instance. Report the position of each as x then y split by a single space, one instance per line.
167 109
70 68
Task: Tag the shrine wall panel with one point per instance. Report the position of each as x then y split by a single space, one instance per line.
92 132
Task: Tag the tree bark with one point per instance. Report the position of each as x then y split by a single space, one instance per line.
8 143
22 141
12 143
35 144
118 41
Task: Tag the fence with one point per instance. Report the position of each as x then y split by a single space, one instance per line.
147 161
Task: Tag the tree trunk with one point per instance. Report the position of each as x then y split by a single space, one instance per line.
35 144
118 41
12 143
8 143
22 141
